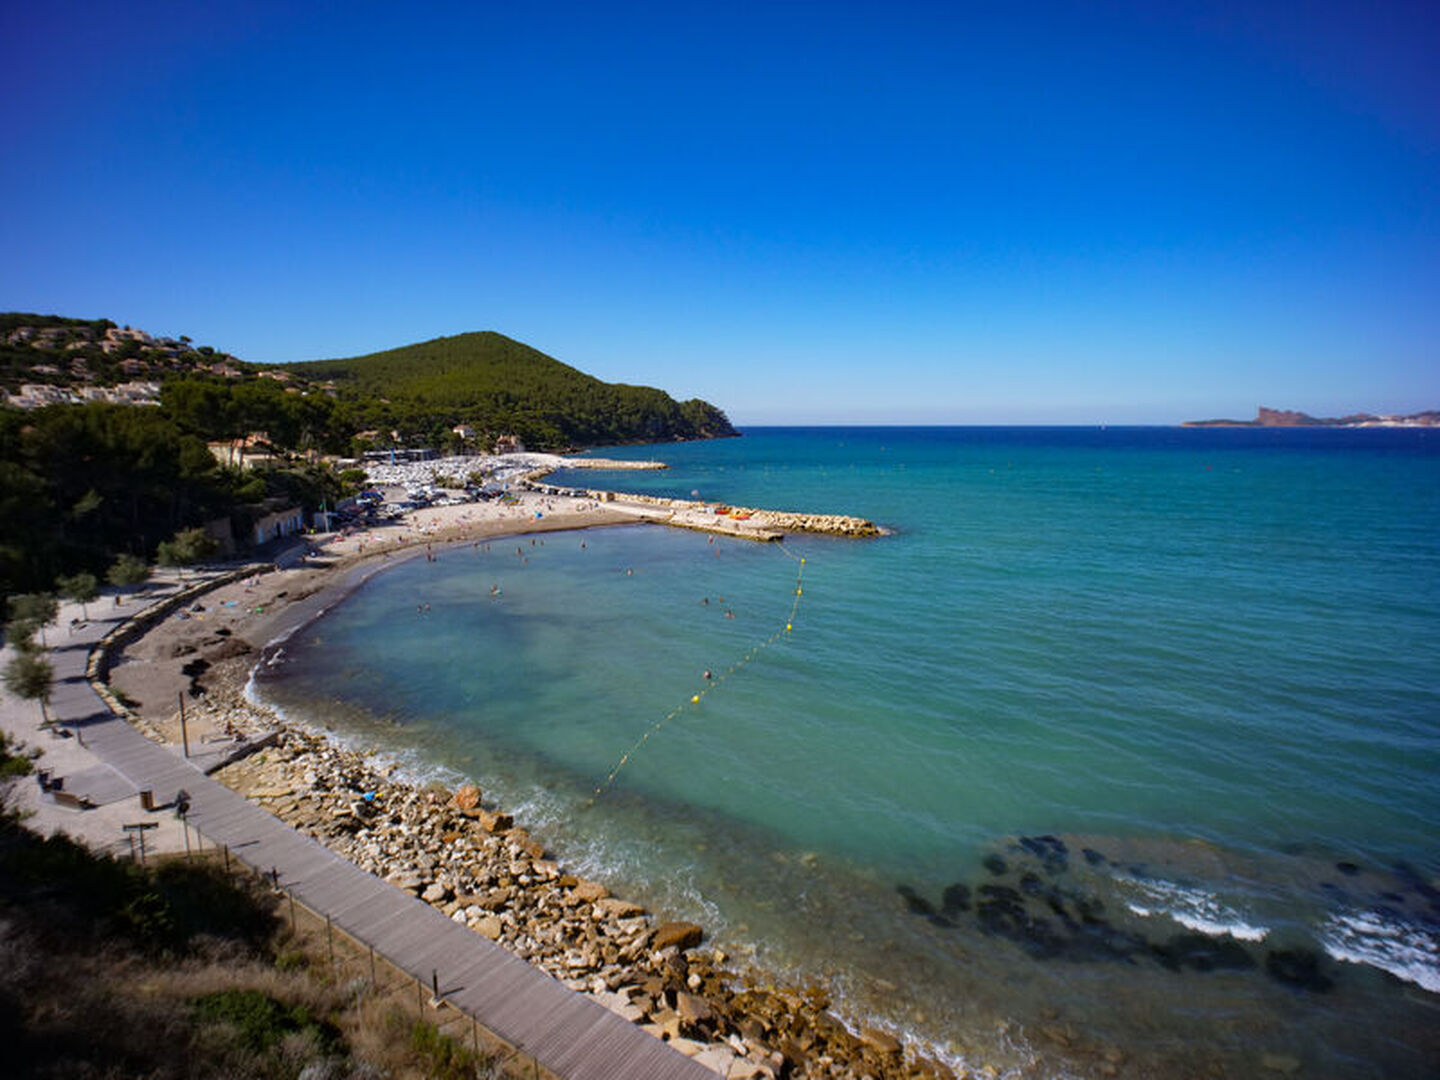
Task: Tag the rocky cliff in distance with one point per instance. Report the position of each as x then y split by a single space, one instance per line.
1291 418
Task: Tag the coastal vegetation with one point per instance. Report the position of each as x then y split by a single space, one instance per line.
450 392
83 484
179 969
30 677
497 385
95 469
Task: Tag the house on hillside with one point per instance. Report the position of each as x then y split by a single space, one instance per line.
135 393
286 521
116 337
465 431
38 395
509 444
243 453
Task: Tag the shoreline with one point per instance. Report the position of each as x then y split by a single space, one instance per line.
651 972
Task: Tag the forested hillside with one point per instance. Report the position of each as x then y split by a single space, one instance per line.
104 430
501 386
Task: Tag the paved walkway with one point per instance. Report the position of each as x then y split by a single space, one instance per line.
566 1032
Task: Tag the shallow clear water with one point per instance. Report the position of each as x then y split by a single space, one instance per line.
1204 666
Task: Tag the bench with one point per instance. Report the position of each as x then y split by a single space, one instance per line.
74 802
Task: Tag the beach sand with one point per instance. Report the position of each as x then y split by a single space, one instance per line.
237 620
735 1021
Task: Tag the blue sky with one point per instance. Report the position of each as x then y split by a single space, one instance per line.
928 213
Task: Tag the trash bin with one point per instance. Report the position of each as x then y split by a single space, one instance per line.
147 799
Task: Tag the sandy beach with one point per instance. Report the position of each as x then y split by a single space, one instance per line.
235 621
498 880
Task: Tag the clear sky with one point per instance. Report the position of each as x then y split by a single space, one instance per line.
831 212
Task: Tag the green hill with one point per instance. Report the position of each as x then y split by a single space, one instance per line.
501 386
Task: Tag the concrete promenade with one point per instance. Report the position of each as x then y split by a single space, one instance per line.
567 1033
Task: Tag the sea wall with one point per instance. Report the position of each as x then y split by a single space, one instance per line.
782 520
747 521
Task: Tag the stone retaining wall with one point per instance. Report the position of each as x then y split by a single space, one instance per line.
97 668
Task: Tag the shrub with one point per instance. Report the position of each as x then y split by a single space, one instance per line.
261 1022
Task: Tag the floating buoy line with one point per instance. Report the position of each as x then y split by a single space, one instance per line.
711 682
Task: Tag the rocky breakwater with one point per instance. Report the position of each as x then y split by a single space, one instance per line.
477 866
788 521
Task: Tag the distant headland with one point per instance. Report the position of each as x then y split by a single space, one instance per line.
1290 418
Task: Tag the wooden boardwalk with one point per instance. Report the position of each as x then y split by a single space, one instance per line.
566 1032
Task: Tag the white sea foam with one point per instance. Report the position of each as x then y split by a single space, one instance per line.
1194 909
1407 951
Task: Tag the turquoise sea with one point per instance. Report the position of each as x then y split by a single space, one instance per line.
1120 755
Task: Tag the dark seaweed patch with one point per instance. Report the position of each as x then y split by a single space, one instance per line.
1298 969
1201 953
955 899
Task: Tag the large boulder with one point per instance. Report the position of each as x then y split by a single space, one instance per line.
880 1041
467 798
412 880
590 891
682 935
492 821
614 908
692 1009
489 926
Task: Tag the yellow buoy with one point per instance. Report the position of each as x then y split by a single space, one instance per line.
695 700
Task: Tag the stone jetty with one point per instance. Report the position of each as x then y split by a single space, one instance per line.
745 521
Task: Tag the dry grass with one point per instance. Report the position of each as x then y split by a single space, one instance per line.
180 973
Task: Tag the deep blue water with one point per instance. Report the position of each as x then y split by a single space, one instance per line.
1183 684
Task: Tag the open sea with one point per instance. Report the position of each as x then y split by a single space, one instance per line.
1120 755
